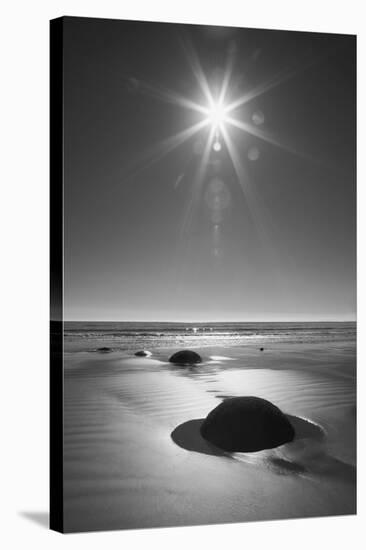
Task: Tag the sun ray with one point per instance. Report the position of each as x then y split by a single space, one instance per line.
164 147
227 77
245 184
170 96
261 89
276 80
197 184
168 144
261 134
197 71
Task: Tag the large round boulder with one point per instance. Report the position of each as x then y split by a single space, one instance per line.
247 424
185 357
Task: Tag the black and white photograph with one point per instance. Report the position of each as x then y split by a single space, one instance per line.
209 264
183 275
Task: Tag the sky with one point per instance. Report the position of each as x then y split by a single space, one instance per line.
263 229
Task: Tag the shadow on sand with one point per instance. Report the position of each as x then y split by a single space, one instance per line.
188 437
307 453
304 429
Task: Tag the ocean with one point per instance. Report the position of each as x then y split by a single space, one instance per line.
131 336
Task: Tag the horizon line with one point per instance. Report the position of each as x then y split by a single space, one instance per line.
207 322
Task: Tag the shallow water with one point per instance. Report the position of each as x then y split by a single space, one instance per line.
134 456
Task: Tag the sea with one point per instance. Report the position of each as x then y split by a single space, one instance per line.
132 336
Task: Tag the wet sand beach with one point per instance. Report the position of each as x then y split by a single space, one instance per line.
134 456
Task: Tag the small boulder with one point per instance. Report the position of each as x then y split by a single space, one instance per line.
247 424
142 353
104 349
185 357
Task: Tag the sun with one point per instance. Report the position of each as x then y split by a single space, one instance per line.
219 111
216 115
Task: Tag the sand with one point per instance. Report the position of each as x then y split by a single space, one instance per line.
134 457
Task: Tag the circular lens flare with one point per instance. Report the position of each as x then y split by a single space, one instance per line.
258 118
217 146
253 153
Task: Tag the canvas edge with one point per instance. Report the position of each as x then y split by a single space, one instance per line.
56 521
